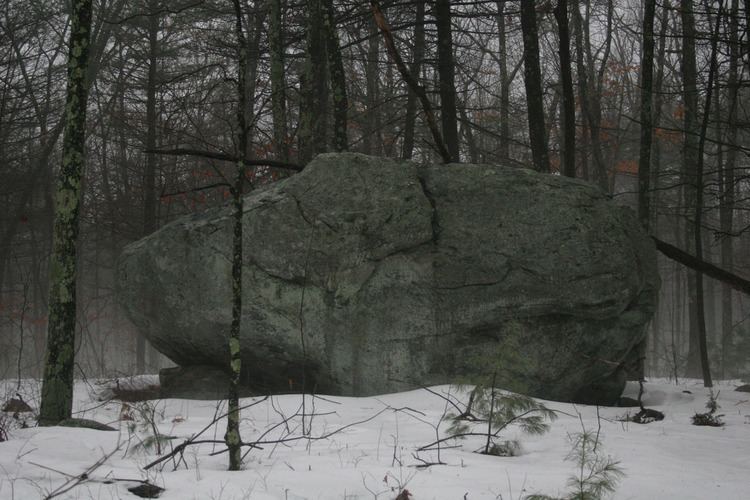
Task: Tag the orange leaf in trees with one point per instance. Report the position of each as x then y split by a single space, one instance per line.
554 163
627 167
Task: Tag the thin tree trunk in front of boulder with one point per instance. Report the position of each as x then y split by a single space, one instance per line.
232 437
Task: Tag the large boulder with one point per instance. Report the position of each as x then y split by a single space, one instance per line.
367 275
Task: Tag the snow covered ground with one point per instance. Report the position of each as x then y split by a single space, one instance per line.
371 450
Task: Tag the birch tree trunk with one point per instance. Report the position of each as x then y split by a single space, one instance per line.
232 436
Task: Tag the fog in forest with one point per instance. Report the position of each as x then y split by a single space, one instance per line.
320 76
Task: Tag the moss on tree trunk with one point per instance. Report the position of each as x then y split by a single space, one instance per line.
57 388
232 437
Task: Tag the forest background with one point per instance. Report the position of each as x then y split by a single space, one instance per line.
561 87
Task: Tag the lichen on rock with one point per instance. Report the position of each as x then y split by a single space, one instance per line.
398 275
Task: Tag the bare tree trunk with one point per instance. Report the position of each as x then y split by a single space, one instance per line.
149 179
644 162
698 213
647 76
57 388
583 91
338 79
595 94
414 84
278 84
658 339
415 69
467 132
657 111
568 98
690 161
502 55
533 81
372 129
590 108
446 69
727 188
312 126
257 19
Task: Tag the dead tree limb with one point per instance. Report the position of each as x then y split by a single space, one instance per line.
411 81
215 155
195 190
672 252
75 480
193 440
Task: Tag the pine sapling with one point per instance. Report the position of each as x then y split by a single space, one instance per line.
596 474
709 418
497 410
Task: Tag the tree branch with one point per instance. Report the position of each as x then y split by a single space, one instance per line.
158 12
196 189
410 81
214 155
194 438
672 252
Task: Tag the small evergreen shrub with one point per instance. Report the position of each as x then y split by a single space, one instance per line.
709 418
494 411
598 474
